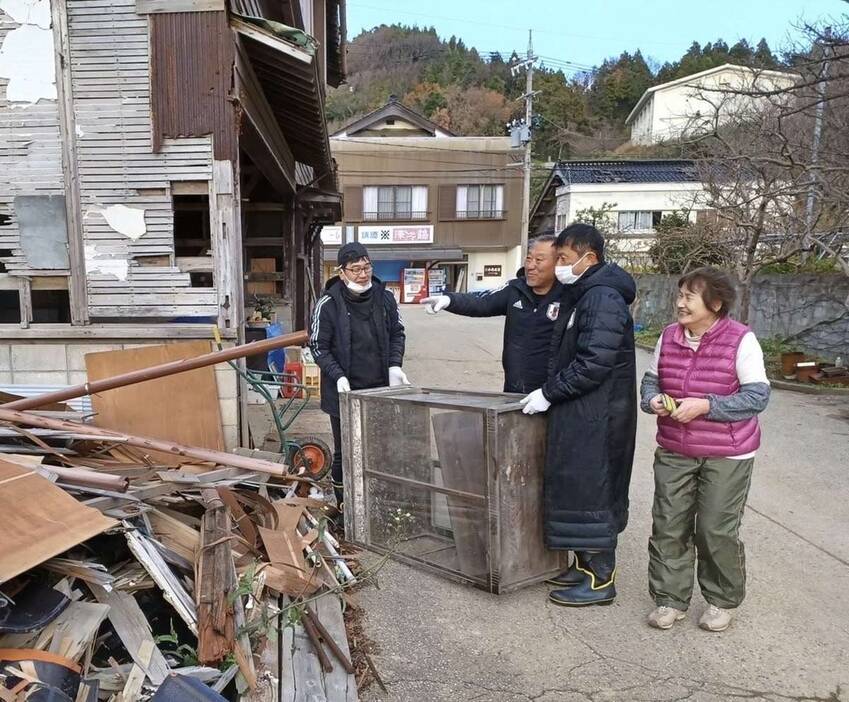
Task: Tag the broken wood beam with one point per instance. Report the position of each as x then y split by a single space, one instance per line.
152 444
139 376
214 583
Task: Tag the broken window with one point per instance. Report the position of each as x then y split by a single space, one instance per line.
4 254
51 307
193 239
10 307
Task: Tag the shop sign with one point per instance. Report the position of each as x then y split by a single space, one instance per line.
331 236
390 234
492 271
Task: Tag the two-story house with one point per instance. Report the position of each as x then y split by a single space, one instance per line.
436 210
634 194
160 163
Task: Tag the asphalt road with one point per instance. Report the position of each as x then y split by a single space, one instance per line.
441 641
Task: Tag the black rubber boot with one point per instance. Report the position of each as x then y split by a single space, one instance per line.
569 577
598 584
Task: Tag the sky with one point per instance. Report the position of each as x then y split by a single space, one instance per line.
585 33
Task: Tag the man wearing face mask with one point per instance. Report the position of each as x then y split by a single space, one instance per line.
530 303
591 398
357 339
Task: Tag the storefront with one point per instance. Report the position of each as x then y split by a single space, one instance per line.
404 258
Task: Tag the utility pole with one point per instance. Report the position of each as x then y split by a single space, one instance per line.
524 133
822 90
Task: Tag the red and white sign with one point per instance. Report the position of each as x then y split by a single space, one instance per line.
396 234
414 284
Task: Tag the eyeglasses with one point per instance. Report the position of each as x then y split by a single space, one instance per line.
360 270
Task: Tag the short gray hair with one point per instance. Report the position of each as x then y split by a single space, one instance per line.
542 239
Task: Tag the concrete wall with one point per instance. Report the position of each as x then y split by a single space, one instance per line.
478 260
60 363
811 311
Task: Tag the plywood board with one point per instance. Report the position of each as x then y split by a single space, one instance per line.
182 408
263 265
39 520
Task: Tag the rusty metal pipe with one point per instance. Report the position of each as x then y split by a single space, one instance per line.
150 444
171 368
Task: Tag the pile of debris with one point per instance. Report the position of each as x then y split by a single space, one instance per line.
136 568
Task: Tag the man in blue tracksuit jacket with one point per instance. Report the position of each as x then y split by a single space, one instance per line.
530 302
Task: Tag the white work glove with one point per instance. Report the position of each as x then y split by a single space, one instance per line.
535 402
342 385
437 303
397 377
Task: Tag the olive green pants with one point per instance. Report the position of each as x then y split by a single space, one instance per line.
698 506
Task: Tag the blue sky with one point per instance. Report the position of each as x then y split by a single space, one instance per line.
586 32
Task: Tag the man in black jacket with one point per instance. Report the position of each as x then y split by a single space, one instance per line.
591 397
530 302
357 339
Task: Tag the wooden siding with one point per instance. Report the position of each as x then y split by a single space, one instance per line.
30 159
117 166
192 56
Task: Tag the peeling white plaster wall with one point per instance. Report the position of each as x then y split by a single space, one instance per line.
98 263
128 221
27 55
35 12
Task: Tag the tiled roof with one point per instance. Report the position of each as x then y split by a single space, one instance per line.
645 171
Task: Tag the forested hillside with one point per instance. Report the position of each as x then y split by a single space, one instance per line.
581 109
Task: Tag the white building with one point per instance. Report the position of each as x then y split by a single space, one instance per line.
694 102
634 194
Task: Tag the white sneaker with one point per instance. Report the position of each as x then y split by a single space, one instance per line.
664 617
715 619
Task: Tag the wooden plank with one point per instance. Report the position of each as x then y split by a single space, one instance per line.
263 265
214 582
68 131
146 7
190 187
309 677
172 589
133 629
339 686
182 408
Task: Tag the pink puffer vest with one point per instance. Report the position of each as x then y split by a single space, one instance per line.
712 370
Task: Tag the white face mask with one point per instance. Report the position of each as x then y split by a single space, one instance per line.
354 287
566 274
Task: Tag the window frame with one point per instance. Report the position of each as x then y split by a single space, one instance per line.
394 203
486 198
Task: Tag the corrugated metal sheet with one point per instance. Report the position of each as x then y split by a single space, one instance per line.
117 165
78 404
30 158
191 79
294 92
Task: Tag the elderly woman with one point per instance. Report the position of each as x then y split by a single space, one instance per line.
707 384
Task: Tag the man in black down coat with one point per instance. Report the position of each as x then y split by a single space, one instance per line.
592 395
530 302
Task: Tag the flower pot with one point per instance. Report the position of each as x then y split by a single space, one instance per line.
788 363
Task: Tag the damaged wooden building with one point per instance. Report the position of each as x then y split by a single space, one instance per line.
164 169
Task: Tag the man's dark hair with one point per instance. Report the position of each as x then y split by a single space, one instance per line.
582 238
714 285
542 239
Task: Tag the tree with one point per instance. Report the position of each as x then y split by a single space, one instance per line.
681 245
618 85
776 198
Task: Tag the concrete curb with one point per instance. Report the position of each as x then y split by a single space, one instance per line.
788 385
